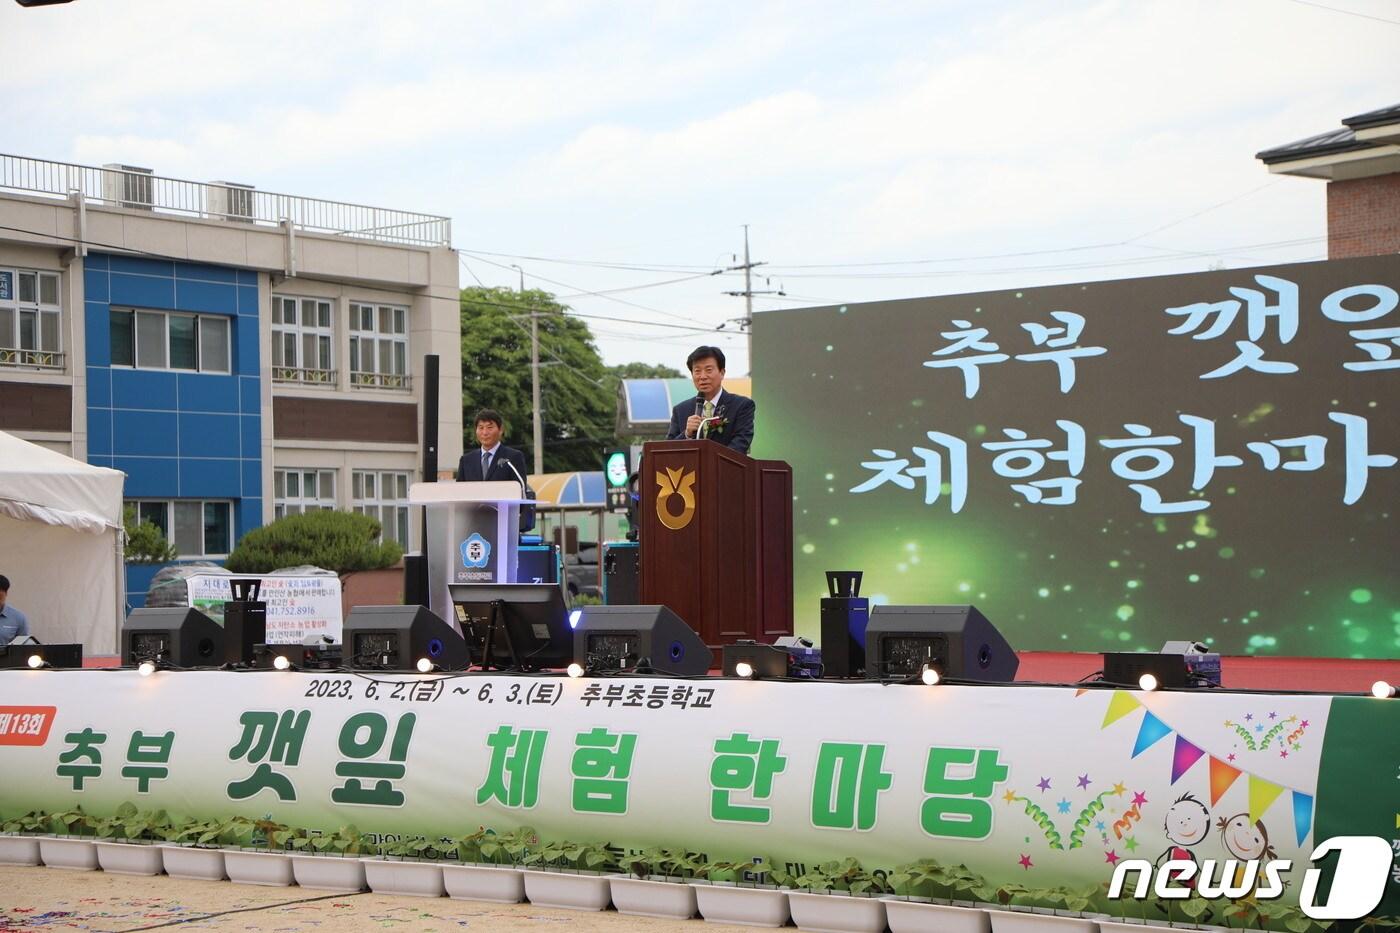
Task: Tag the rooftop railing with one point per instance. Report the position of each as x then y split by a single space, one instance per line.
138 189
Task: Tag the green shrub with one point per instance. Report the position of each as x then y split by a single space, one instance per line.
145 543
340 541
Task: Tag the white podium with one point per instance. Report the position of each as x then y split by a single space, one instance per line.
473 534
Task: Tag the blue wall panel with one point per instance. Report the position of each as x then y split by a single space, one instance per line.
176 435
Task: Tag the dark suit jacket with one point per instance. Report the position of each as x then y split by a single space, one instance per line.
469 467
736 410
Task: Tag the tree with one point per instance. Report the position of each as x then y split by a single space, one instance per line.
341 541
145 542
577 401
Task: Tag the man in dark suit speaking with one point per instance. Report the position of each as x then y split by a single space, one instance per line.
713 414
494 461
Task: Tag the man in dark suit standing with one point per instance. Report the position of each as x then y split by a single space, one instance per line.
713 414
494 461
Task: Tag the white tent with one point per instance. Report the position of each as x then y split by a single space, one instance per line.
61 544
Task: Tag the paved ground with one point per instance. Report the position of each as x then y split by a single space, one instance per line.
49 899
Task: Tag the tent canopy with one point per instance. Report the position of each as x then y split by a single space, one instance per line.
38 484
61 544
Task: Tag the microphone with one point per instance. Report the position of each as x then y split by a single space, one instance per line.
517 476
699 408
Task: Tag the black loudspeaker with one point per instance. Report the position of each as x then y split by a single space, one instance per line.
415 579
176 636
622 573
612 638
765 660
957 641
18 655
245 621
844 622
395 638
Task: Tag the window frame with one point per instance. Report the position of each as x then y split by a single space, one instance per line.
299 331
362 503
283 504
168 507
395 340
222 320
12 350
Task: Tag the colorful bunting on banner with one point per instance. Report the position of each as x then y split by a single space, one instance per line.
1185 756
1221 777
1121 705
1152 731
1262 795
1303 815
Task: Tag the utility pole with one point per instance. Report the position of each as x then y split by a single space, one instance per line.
746 322
534 378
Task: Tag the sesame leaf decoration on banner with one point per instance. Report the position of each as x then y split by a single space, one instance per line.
1262 793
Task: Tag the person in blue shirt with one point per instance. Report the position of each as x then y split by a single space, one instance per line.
13 623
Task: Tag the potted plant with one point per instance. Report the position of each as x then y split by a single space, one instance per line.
330 861
927 895
18 843
1040 910
407 866
724 895
835 897
126 841
484 866
71 842
259 856
194 849
569 875
656 884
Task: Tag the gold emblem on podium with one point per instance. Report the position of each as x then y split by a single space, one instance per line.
672 483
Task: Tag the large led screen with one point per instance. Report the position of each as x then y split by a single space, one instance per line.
1106 466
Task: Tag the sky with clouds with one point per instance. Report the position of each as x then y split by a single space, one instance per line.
882 150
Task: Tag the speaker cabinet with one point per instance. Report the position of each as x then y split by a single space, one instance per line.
245 625
395 638
622 573
957 640
611 638
415 580
844 621
176 636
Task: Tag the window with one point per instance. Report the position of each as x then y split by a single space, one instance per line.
297 491
197 527
302 340
168 340
378 346
29 319
383 496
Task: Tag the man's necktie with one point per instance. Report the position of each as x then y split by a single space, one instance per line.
709 412
485 463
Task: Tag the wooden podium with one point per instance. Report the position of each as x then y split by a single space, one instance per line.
716 539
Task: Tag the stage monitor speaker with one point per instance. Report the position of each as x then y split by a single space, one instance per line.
17 654
614 638
395 638
622 573
957 640
175 636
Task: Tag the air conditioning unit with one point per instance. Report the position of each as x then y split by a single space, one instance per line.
228 200
127 186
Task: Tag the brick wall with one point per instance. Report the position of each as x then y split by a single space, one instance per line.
1363 217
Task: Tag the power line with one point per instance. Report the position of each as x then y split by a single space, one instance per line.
1323 6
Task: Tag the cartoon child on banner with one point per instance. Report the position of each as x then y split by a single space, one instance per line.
1245 841
1187 822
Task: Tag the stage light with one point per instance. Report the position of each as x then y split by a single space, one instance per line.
426 666
574 616
37 661
929 676
281 663
1148 682
146 668
744 669
575 669
1382 690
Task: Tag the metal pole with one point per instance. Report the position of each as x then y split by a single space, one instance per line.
534 379
748 298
